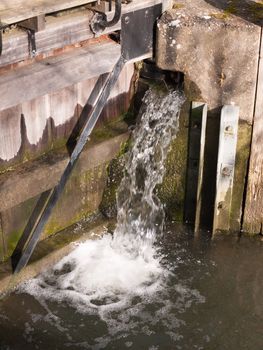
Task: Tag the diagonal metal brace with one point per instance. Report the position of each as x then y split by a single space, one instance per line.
43 211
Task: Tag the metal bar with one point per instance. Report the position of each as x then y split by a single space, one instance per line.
32 42
1 41
225 167
91 122
31 224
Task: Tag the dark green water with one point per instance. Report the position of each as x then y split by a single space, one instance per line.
210 297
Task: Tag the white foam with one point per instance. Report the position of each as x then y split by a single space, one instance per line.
103 271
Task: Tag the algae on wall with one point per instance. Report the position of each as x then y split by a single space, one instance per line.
172 191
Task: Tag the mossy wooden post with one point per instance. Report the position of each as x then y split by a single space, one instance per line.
253 217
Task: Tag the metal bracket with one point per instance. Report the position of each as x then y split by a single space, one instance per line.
32 42
137 34
99 22
1 41
2 28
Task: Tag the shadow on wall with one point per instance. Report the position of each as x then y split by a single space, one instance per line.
249 10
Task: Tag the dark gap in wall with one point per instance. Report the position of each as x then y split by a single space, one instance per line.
210 168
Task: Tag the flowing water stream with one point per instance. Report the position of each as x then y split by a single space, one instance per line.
142 288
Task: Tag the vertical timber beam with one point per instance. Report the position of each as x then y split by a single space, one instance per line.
2 241
253 215
225 167
197 131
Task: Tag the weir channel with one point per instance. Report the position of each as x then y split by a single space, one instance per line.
134 129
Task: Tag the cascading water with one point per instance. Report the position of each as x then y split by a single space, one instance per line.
117 278
105 269
140 212
140 290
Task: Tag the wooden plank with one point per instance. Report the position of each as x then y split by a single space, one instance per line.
203 117
253 216
18 10
194 182
225 167
60 32
55 73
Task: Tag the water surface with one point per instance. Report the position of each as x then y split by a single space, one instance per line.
198 294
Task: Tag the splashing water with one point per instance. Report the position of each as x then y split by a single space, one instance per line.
102 269
140 212
107 275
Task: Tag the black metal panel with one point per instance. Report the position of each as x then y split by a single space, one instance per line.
138 28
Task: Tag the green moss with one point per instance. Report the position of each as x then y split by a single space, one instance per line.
115 170
220 15
178 6
256 10
243 146
172 190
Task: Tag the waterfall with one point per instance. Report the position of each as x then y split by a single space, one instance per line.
106 274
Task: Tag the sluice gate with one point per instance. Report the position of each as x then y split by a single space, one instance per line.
135 42
69 66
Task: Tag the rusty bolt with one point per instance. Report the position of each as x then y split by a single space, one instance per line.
220 205
226 171
229 129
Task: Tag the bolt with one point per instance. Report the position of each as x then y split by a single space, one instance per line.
226 171
229 129
220 205
127 20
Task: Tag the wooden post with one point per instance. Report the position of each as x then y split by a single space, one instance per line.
194 181
225 167
253 216
2 241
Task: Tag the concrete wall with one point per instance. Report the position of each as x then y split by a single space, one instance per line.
218 51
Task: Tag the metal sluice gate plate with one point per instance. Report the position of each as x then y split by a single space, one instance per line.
138 31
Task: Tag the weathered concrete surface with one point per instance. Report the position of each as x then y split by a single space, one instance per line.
218 52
